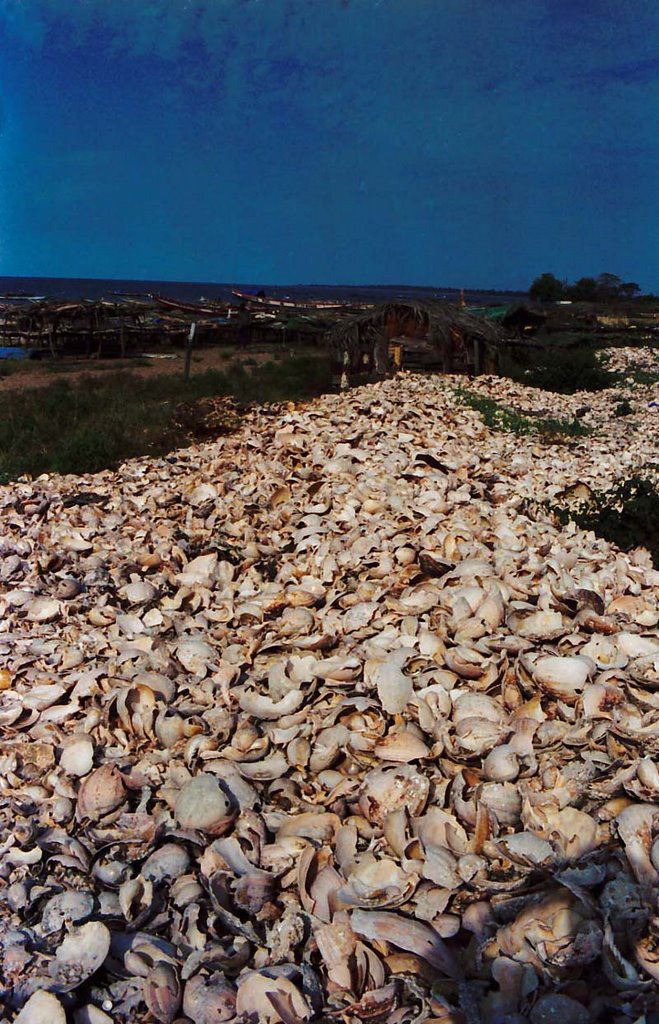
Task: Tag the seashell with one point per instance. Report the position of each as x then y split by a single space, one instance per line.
386 790
209 999
562 677
631 645
394 688
542 625
377 883
332 704
559 1007
503 799
261 996
44 609
401 747
77 756
41 1008
527 848
100 793
162 992
203 804
74 905
80 955
634 826
168 861
407 934
195 656
141 592
501 764
199 572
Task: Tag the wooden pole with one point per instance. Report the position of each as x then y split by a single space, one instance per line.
188 351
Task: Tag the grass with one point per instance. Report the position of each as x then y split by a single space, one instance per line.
98 422
627 515
501 417
560 370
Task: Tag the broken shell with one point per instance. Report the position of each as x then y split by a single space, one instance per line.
209 999
203 804
80 955
78 756
41 1008
101 792
386 790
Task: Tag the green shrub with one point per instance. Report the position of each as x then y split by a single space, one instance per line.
627 515
623 408
561 370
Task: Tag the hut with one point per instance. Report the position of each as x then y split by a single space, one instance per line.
413 334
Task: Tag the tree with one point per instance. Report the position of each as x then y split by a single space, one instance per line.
629 289
608 287
585 289
546 288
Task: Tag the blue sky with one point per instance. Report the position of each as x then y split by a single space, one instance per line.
456 142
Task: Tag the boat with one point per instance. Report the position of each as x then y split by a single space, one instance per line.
263 301
216 309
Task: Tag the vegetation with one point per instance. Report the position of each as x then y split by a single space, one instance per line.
557 369
605 288
98 422
623 408
627 515
501 417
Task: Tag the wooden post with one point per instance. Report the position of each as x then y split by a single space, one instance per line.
477 357
188 350
381 353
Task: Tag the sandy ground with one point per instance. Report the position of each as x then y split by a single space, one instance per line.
34 374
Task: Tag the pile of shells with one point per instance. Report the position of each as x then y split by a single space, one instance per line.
618 447
626 360
208 417
311 723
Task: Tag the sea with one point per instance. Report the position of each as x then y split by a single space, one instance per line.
194 291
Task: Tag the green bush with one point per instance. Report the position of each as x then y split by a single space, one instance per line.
624 408
561 370
627 515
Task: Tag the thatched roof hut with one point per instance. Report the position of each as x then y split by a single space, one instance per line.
459 341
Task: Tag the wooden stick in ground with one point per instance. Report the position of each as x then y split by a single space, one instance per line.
188 350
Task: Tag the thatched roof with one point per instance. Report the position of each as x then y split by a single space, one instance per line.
437 321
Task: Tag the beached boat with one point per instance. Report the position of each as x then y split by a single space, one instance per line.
309 305
214 309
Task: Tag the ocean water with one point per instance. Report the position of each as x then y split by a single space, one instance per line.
193 291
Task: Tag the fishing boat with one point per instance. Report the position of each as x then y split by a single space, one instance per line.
216 309
263 301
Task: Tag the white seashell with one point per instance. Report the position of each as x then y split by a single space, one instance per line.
386 790
402 747
634 646
501 764
394 687
41 1008
562 677
199 572
80 955
74 905
139 593
195 655
204 805
78 756
44 609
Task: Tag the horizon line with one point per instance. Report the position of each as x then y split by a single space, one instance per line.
289 284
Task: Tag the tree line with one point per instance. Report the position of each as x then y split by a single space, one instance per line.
605 288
